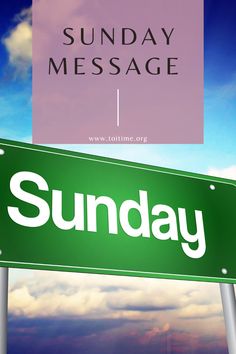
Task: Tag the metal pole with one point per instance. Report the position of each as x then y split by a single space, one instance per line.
3 309
229 308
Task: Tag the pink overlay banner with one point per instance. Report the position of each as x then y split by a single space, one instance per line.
127 71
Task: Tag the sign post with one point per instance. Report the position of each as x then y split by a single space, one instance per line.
229 308
66 211
3 309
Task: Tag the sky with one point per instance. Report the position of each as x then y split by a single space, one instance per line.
51 312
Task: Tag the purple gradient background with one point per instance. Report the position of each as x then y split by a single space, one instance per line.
165 109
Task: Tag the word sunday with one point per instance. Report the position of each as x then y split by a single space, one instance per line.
117 216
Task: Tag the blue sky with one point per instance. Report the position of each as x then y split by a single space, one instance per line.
59 313
217 152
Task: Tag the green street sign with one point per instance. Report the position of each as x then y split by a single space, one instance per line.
62 210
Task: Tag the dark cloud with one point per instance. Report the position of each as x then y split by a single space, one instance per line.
144 308
201 317
105 336
54 327
109 289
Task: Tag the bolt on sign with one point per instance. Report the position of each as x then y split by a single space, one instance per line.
67 211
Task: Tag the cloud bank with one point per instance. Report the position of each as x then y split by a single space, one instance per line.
154 302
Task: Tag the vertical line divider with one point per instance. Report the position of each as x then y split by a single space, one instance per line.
117 107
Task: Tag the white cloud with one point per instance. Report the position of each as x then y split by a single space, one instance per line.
46 294
55 303
228 172
18 43
201 310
